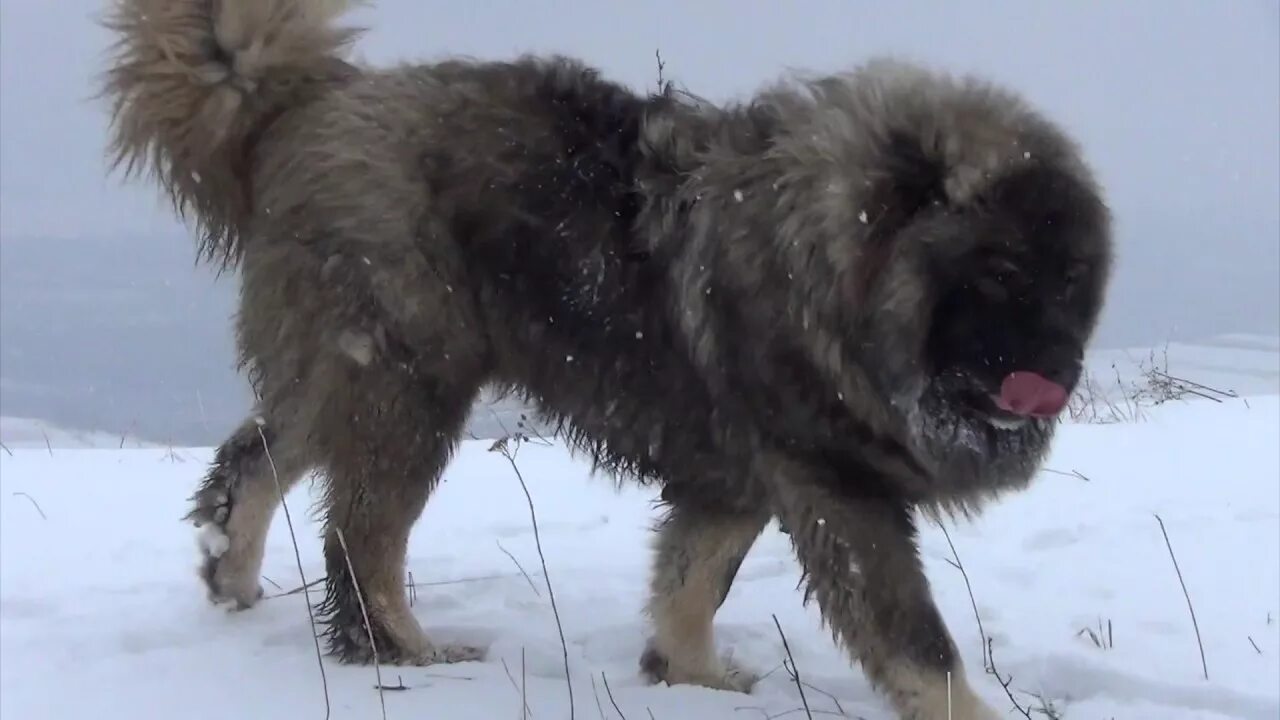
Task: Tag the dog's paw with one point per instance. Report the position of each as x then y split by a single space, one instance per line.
448 654
361 653
351 641
228 578
211 505
656 668
226 582
736 679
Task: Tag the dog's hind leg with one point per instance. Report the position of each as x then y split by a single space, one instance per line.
234 506
384 457
861 564
698 553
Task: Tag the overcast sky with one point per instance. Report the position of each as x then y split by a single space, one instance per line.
1176 103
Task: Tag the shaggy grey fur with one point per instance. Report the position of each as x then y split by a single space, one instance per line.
810 307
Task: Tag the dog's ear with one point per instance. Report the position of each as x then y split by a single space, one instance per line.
905 185
907 182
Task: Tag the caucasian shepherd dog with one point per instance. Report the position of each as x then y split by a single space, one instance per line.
849 299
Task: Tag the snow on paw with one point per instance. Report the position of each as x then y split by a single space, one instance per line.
212 504
229 576
213 541
225 581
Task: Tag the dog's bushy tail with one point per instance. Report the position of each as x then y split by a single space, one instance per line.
192 82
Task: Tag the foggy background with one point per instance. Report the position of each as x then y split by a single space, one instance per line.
106 323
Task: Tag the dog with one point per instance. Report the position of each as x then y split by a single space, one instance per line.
847 300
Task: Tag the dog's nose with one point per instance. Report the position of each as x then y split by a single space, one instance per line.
1064 374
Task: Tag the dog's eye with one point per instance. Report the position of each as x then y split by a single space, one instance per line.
1076 271
1001 267
1000 279
992 290
995 286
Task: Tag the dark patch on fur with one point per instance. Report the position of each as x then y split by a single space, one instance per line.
653 665
217 490
726 581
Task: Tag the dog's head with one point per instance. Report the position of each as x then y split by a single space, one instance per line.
1018 274
984 258
939 245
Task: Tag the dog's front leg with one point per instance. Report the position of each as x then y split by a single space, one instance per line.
861 563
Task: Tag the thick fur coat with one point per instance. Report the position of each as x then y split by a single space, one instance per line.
849 299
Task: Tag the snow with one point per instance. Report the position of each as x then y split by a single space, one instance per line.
1247 364
213 541
102 614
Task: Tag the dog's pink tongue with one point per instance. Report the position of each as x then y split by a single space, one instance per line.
1030 394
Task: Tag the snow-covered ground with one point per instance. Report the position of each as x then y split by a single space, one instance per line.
101 614
1244 364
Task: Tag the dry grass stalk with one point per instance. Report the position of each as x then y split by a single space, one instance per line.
368 626
34 504
609 692
504 447
297 554
1190 608
790 665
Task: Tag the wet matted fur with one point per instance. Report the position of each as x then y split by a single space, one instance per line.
850 299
